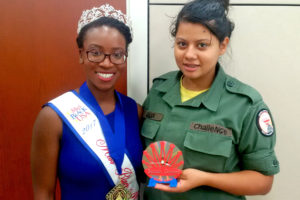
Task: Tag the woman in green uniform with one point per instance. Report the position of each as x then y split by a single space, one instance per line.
222 126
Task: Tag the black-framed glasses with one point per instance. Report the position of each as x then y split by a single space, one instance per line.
118 57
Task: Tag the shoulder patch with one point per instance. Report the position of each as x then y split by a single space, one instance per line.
235 86
264 123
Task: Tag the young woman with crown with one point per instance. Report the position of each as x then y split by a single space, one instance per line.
89 137
222 126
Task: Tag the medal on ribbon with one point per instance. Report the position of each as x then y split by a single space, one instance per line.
163 163
119 192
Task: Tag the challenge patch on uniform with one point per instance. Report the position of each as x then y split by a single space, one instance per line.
212 128
264 123
153 115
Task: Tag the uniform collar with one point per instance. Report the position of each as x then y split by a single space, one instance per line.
171 88
210 99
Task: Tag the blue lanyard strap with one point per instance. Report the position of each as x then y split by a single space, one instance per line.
115 139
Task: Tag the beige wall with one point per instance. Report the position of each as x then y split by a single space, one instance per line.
264 53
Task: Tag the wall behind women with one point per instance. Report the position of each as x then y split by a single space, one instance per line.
38 61
264 52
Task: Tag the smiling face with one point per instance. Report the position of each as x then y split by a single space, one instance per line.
103 75
196 53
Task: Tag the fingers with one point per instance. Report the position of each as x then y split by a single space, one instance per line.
166 188
189 178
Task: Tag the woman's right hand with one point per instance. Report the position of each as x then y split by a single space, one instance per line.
189 179
246 182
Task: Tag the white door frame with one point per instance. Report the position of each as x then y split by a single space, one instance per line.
137 64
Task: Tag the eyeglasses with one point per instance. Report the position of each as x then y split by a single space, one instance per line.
118 57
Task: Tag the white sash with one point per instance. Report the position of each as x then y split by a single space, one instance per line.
84 123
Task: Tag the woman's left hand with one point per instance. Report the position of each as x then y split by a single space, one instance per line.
189 179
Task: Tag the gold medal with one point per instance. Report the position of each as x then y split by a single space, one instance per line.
119 192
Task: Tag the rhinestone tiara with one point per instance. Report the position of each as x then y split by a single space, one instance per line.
105 10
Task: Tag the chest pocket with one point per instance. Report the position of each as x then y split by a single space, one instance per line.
150 128
207 151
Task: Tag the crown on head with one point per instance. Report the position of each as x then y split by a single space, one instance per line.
105 10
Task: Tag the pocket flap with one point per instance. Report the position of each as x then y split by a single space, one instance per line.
208 143
150 128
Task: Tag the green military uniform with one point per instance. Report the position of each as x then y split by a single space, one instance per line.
226 129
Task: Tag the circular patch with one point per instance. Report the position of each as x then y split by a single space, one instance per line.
264 123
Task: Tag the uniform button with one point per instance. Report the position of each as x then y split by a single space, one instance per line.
275 163
230 83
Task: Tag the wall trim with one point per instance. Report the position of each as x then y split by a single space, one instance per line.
137 63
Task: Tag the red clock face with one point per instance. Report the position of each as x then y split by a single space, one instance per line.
162 161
